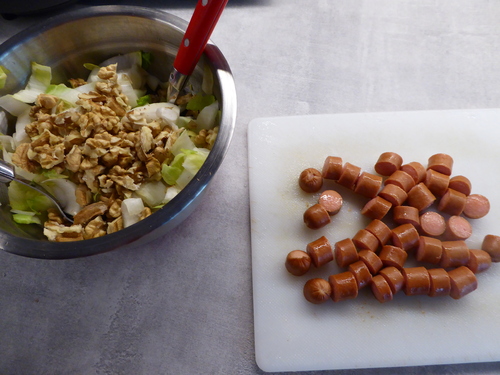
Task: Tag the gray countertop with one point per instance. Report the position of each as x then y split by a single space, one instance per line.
183 303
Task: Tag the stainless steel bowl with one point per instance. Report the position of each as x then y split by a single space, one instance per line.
67 41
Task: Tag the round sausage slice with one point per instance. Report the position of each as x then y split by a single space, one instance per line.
458 228
417 281
361 273
393 256
432 224
376 208
442 163
437 182
406 215
368 185
344 286
461 184
394 278
491 244
331 200
420 197
332 168
401 179
455 254
388 163
349 176
380 230
476 206
394 194
452 202
345 252
381 289
365 240
405 236
479 260
440 282
320 251
429 250
416 170
371 260
316 217
310 180
463 281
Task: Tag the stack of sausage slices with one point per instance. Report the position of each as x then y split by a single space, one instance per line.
375 257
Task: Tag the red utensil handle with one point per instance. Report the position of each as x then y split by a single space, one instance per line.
203 21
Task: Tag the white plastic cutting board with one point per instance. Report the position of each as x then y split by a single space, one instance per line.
292 334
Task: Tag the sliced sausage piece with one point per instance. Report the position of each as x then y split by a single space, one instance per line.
380 230
361 273
463 281
455 254
320 251
436 182
479 260
368 185
345 252
461 184
365 240
371 260
440 282
394 194
344 286
417 281
388 163
491 244
432 224
401 179
376 208
381 289
310 180
316 217
317 291
429 250
458 228
406 215
393 256
416 170
349 176
331 200
452 202
442 163
394 278
420 197
405 236
476 206
298 262
332 168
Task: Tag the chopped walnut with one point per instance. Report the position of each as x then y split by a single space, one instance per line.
89 212
115 225
95 228
59 232
21 160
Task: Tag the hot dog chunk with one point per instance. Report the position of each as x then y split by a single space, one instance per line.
381 289
331 201
316 217
310 180
417 281
463 281
388 163
344 286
